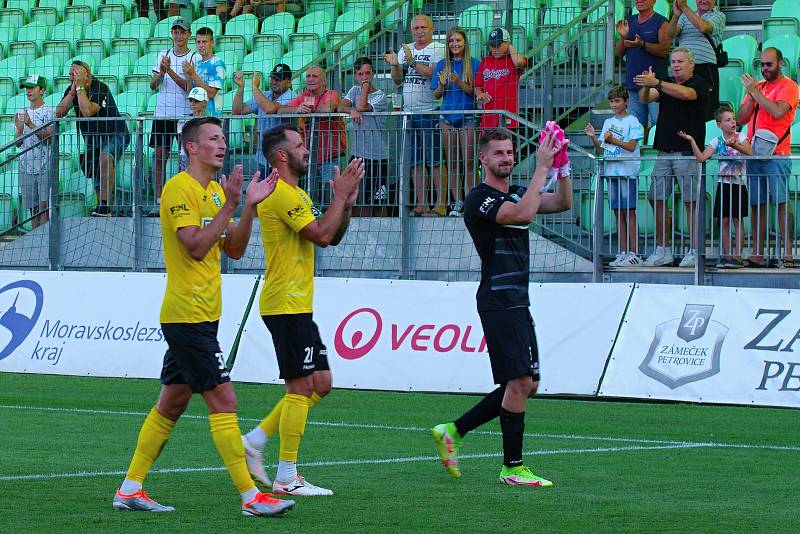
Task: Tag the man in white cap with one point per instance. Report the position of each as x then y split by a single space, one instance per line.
34 160
198 103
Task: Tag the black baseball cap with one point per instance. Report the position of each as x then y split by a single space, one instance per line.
282 71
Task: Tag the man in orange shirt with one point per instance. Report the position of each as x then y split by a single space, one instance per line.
770 105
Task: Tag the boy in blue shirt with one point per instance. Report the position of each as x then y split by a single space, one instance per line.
620 136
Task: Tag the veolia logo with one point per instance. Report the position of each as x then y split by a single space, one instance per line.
21 304
354 349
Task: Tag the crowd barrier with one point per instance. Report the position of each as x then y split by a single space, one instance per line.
685 343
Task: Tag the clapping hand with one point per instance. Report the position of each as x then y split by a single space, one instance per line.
238 79
391 58
546 151
635 43
347 182
255 83
188 69
232 185
623 29
646 79
589 130
443 79
684 135
165 64
258 190
407 53
750 84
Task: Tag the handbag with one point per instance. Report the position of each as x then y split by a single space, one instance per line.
765 141
722 55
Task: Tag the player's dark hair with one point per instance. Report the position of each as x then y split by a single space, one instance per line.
205 30
495 134
274 139
360 62
191 129
618 91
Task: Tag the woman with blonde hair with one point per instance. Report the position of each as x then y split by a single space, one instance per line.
453 78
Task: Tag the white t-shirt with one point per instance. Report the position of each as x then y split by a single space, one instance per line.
367 141
417 92
625 129
37 159
171 98
730 171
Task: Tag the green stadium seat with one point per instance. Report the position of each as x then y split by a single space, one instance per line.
28 39
311 32
114 10
133 37
47 66
261 61
233 63
76 195
558 14
783 19
15 17
239 32
130 103
280 24
364 5
150 104
96 40
2 104
9 195
17 103
63 39
115 67
712 131
56 6
268 42
789 45
157 44
297 61
47 14
742 50
209 21
592 41
82 11
526 15
60 84
11 70
480 17
8 33
139 79
731 90
331 7
399 15
53 99
346 25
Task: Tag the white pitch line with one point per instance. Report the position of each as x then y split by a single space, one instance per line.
369 426
332 463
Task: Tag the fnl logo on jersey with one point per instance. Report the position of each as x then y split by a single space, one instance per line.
687 349
20 307
363 329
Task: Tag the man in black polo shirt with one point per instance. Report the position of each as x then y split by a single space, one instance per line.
681 108
497 216
106 140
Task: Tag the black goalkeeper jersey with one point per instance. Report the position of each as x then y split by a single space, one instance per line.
504 249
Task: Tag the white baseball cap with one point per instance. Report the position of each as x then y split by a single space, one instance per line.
199 94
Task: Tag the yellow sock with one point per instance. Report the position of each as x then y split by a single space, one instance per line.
271 422
152 437
228 439
293 424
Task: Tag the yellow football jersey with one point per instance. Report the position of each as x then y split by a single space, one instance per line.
289 274
193 293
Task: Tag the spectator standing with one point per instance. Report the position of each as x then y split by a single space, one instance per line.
693 29
682 101
198 103
368 143
330 141
770 105
172 85
453 78
621 136
264 104
106 139
644 45
413 69
159 8
497 79
209 73
34 161
730 200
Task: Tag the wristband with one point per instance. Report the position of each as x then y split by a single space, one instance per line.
658 85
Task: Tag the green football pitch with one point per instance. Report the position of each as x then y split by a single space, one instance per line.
618 466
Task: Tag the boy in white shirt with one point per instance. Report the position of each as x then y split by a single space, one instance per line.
34 162
731 201
172 86
621 135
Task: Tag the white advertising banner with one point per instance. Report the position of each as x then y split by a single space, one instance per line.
95 324
708 344
426 336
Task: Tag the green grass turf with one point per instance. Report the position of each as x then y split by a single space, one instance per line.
700 488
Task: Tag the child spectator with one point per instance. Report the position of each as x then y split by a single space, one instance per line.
497 79
198 103
209 72
172 85
368 142
621 135
34 161
453 77
731 199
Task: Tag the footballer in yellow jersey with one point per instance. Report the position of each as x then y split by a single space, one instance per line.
196 224
289 231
